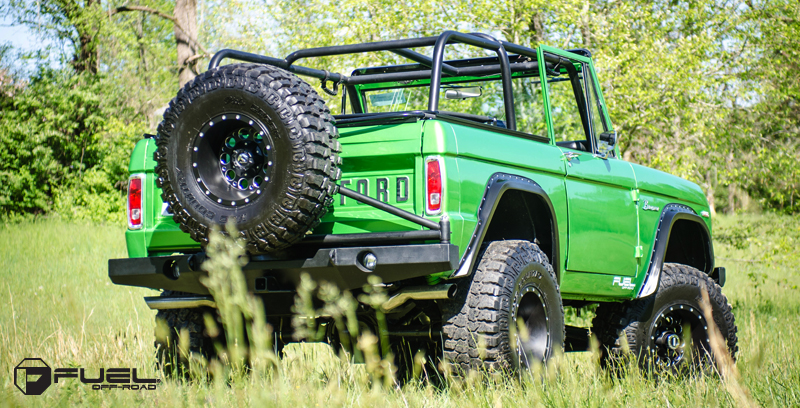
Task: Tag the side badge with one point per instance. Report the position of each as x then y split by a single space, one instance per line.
647 207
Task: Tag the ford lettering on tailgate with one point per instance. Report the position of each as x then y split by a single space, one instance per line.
389 189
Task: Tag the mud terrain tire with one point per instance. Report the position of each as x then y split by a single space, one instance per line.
168 354
514 285
647 324
252 144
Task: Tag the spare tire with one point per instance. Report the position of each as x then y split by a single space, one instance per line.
252 144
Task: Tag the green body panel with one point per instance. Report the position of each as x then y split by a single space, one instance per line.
385 157
658 189
159 234
473 155
680 190
602 216
605 232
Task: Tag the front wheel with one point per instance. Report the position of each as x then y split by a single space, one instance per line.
667 331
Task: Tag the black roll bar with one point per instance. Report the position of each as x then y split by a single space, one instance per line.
276 62
403 48
482 41
425 60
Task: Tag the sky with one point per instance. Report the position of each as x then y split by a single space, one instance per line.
22 39
19 36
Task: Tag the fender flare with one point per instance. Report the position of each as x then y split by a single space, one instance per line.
499 184
669 215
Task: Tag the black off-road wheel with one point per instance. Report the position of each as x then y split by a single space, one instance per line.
169 357
666 332
252 144
514 287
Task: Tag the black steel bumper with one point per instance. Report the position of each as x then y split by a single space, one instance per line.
342 266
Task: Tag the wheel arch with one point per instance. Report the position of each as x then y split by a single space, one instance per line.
506 197
682 237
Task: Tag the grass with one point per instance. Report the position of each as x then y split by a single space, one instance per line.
58 304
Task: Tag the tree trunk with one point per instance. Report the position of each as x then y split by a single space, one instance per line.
712 207
85 57
186 39
142 51
536 27
586 34
731 198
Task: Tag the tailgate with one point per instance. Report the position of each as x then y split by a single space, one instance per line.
383 162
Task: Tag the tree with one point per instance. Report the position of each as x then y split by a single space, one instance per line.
184 20
83 23
767 120
703 89
79 22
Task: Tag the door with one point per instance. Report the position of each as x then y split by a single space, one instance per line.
602 224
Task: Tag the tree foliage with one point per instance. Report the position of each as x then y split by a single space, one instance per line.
62 152
703 89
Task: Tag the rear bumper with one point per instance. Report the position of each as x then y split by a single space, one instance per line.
263 274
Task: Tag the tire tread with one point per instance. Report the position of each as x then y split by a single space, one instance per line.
314 163
478 310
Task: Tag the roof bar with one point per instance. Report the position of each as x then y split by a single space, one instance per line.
276 62
425 60
360 48
483 41
425 74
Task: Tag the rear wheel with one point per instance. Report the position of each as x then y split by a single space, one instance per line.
173 360
667 331
510 315
415 359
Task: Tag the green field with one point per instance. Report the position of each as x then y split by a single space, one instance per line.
58 305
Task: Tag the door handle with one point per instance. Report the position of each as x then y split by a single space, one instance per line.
568 156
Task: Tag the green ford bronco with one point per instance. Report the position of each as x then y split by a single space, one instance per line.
486 193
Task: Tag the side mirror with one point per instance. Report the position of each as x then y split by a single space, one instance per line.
609 137
605 144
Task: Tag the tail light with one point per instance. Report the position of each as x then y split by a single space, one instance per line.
433 186
135 209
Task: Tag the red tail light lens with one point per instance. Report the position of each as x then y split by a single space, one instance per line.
434 185
135 212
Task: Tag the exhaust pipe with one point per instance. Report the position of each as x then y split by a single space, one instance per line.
184 302
435 292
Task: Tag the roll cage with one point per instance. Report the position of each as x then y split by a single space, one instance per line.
522 60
